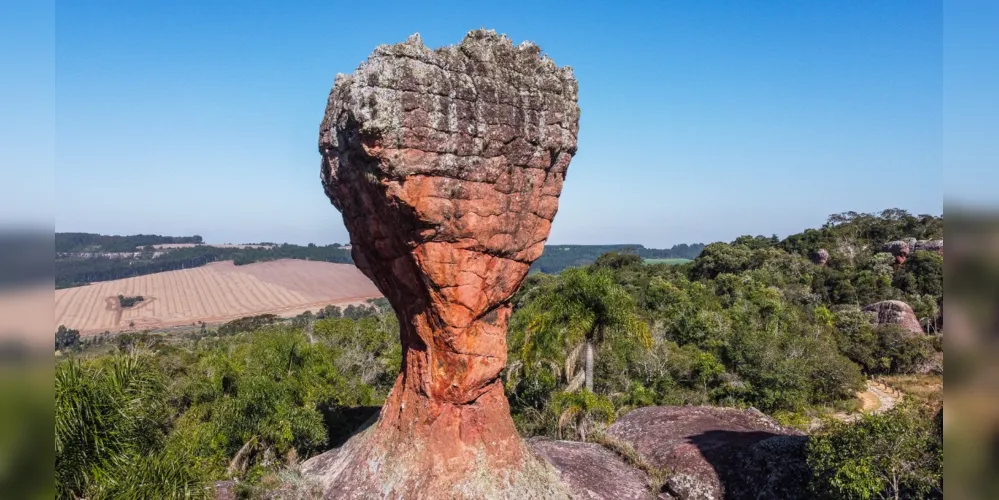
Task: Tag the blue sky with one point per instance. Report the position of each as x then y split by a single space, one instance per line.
700 121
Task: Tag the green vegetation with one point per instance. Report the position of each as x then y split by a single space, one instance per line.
66 339
666 261
124 301
748 323
559 257
898 454
162 418
89 242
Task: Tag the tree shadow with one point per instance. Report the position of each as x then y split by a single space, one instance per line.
342 422
747 467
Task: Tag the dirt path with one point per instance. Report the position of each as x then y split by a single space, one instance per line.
876 398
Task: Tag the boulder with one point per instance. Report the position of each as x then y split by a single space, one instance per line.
929 246
820 256
900 249
716 453
894 312
593 472
447 166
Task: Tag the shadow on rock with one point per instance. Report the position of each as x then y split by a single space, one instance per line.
343 422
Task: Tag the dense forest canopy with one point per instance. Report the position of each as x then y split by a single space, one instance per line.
558 257
89 242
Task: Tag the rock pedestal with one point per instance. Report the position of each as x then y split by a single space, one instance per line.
447 166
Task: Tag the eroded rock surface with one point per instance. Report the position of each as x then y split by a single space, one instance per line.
894 312
593 472
716 453
935 246
820 257
900 249
447 166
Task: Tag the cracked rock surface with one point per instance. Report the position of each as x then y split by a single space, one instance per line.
447 166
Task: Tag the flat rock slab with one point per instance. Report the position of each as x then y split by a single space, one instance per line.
716 453
593 472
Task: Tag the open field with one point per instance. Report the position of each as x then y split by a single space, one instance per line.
213 293
666 261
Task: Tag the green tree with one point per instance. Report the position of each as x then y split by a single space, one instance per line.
897 454
66 339
581 411
580 309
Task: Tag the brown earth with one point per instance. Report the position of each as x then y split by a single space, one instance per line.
214 293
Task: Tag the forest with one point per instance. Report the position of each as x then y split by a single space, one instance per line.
751 323
555 258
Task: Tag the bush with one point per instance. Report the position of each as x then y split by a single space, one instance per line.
897 454
67 339
900 351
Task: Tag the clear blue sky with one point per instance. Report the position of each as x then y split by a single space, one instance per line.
700 121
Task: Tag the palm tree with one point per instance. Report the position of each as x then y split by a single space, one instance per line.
570 315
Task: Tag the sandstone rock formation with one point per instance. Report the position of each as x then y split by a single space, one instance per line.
900 249
820 257
447 166
929 246
894 312
715 453
593 472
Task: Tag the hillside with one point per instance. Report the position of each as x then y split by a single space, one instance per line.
212 293
83 258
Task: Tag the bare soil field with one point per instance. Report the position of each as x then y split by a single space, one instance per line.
213 293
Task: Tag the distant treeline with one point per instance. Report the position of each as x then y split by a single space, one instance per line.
558 257
81 271
76 271
89 242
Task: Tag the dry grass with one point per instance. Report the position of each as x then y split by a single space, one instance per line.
927 389
657 476
214 293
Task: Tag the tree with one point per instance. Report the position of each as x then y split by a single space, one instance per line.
66 339
575 312
581 411
893 455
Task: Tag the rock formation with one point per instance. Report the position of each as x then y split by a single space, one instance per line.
929 246
900 249
593 472
715 453
894 312
820 257
447 166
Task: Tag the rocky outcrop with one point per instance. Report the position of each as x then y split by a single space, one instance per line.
899 249
593 472
935 246
715 453
447 166
894 312
820 256
902 249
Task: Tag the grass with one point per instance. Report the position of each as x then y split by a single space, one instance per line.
669 262
657 476
927 389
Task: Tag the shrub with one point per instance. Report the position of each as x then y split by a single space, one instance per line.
897 454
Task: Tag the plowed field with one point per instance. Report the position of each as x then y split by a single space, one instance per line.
213 293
